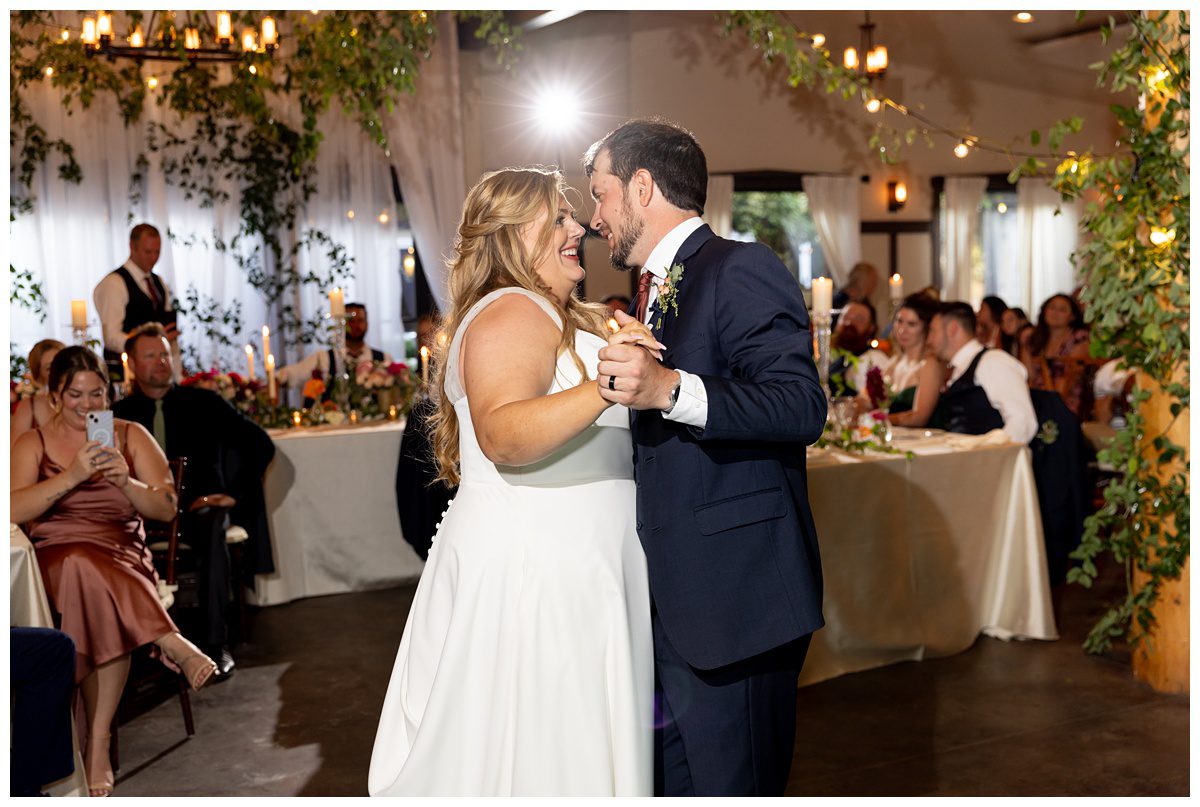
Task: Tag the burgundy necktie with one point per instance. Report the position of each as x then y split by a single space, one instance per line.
643 294
153 291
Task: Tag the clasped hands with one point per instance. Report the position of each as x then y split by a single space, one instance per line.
630 372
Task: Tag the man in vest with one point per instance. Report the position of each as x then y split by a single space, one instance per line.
987 389
132 295
357 353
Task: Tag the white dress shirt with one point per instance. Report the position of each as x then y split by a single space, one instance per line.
691 408
111 298
299 373
1006 384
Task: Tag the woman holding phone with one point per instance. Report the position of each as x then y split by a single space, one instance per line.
82 505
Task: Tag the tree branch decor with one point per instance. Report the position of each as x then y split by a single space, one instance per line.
232 129
1134 265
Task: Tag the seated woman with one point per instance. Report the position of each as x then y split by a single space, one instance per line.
82 505
915 374
1012 323
35 410
1057 356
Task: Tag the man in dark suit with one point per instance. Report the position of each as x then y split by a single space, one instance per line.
719 429
227 455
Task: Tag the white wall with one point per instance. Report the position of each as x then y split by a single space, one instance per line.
745 115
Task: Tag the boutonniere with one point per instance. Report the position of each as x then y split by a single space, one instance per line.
668 290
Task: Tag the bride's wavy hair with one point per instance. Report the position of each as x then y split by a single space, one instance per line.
490 254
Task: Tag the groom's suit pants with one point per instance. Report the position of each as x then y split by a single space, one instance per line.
729 731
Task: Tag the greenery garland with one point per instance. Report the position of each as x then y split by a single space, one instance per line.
1135 271
229 133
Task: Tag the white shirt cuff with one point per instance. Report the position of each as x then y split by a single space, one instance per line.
691 408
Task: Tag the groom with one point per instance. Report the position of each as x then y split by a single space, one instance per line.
719 429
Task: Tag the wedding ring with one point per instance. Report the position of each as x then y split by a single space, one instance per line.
612 382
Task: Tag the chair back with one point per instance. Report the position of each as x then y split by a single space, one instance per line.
167 532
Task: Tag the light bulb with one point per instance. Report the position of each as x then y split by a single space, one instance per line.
349 214
65 35
49 72
962 149
1161 236
383 218
873 105
850 58
1022 17
152 82
818 40
1002 208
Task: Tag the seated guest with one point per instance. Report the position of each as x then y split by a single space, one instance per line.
82 505
421 498
987 321
617 302
1057 346
987 389
854 331
915 374
42 683
860 285
35 410
1012 323
357 352
201 425
132 294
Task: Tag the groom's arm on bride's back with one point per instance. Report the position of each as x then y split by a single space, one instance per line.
763 328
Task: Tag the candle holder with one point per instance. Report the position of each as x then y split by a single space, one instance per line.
79 335
823 329
339 374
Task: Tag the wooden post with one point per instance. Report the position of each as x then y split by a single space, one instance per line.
1162 659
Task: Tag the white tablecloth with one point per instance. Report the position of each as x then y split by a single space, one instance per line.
922 556
331 504
29 608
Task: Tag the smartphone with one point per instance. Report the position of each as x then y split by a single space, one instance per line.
100 427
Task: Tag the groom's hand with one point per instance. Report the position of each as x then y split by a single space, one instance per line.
637 380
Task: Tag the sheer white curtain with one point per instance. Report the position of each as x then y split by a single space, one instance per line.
78 233
834 202
425 132
718 208
960 234
1047 234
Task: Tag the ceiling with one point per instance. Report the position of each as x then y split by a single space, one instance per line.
1050 54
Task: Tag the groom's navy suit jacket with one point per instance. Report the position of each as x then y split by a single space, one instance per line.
723 511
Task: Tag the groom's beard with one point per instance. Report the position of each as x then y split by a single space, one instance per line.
631 231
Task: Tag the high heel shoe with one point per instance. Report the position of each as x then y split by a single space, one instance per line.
201 670
100 783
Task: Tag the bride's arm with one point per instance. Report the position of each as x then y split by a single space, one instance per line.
508 358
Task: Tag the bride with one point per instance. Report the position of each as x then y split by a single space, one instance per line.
526 664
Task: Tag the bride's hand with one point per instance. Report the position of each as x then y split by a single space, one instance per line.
638 333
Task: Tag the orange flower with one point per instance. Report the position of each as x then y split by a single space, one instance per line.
314 388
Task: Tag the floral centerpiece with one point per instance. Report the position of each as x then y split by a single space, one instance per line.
374 388
247 395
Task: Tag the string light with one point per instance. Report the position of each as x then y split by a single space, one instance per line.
66 35
253 70
152 82
962 149
873 105
1002 208
383 217
49 72
818 40
1161 236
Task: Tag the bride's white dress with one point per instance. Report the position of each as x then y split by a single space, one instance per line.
526 666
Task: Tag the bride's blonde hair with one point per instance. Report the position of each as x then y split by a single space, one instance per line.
490 254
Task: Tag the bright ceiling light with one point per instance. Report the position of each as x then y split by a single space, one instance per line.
1022 17
555 109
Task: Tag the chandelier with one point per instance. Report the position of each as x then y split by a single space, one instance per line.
164 44
873 61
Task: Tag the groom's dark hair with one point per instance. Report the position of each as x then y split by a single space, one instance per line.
669 152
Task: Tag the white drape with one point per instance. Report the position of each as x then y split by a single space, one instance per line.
718 208
78 233
425 132
960 235
834 202
1047 234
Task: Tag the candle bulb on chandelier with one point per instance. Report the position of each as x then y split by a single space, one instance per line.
88 37
270 36
137 39
191 38
224 28
249 40
104 25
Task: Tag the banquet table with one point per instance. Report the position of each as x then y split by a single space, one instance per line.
920 556
331 507
28 607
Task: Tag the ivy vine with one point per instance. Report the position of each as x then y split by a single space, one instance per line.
228 132
1134 265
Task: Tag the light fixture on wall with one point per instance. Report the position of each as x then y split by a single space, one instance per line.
163 42
872 60
897 195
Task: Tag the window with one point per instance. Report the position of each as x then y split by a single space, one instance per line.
994 269
780 219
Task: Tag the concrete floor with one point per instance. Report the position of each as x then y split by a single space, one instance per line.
1002 719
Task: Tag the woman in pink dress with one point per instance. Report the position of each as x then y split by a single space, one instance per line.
82 506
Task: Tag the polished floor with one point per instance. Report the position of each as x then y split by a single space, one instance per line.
1002 719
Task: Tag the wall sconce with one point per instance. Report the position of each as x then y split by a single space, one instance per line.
897 196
